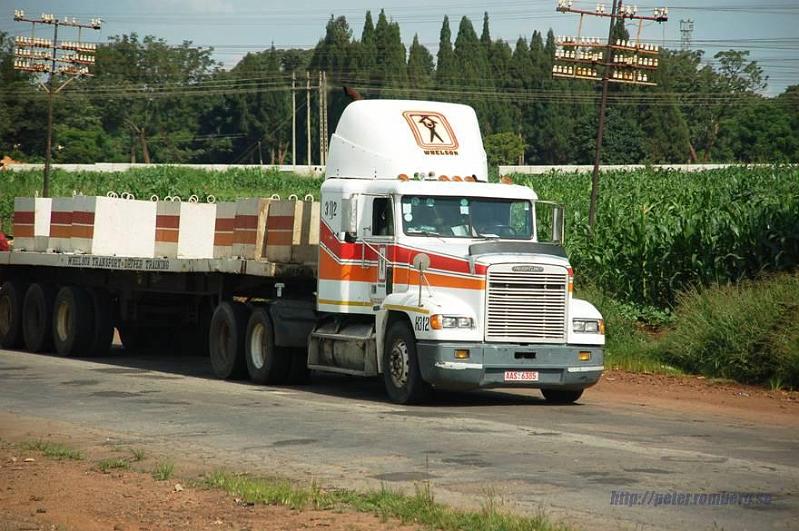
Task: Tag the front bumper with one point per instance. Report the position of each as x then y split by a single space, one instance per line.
558 366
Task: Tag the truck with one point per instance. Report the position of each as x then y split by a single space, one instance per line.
425 274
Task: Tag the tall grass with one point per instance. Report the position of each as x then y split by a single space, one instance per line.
747 332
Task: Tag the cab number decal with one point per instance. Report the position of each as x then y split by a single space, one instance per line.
422 323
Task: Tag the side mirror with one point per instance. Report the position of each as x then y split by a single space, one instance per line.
349 214
558 224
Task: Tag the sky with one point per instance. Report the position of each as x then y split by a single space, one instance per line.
235 27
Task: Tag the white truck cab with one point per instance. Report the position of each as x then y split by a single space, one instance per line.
433 276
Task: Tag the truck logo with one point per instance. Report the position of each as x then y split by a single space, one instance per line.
527 269
432 132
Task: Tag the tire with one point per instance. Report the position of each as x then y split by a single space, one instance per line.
73 321
561 396
103 330
266 363
11 298
401 375
37 318
226 340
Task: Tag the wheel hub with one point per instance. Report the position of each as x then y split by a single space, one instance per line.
257 346
399 364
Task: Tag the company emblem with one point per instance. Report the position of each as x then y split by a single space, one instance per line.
432 132
527 269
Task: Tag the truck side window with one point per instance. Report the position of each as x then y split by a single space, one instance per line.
382 217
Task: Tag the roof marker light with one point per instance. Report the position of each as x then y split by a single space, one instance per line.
443 178
403 177
505 180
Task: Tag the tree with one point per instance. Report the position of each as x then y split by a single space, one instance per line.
391 69
503 148
445 63
420 66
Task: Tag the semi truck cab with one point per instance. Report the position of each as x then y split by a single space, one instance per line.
433 276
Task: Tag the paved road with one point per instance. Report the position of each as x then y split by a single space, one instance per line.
565 459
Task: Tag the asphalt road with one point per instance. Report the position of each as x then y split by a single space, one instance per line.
566 460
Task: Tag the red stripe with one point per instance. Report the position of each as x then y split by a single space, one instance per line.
167 221
23 217
83 218
225 224
61 218
246 222
280 222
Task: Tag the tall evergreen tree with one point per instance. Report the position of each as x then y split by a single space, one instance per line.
420 67
445 61
390 69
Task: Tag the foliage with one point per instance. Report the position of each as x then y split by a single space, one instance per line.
54 450
419 508
503 148
661 231
748 332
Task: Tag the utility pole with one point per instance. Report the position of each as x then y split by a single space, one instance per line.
30 56
324 118
294 118
308 117
686 34
321 105
622 61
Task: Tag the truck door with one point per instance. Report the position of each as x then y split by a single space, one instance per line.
379 236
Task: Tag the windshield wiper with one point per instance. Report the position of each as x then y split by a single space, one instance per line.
488 236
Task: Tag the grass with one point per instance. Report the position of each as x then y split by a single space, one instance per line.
748 332
419 508
163 471
107 465
137 454
53 450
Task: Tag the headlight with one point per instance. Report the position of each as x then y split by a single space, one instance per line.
437 322
588 326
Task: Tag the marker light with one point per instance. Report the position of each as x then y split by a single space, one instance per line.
403 177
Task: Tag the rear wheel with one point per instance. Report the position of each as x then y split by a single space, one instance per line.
226 337
73 321
37 318
401 374
561 396
266 363
11 297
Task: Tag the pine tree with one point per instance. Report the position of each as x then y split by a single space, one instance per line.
420 67
366 51
445 63
390 69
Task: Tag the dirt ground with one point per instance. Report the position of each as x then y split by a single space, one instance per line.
38 493
697 394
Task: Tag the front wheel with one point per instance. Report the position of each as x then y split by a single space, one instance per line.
561 396
401 375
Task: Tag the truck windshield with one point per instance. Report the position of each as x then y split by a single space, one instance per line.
467 217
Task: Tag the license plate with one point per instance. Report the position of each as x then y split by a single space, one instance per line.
521 376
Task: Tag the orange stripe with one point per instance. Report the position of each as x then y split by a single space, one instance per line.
225 224
85 218
61 231
245 237
166 235
329 269
279 238
445 281
82 231
246 222
23 231
223 239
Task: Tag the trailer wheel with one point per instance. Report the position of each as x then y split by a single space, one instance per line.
37 318
226 340
561 396
11 294
401 375
73 321
103 330
266 363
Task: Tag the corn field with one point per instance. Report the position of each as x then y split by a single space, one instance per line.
658 232
661 232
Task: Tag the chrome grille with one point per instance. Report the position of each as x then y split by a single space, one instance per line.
526 306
